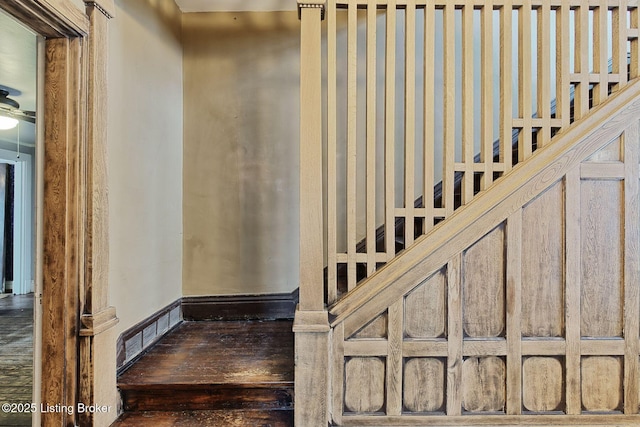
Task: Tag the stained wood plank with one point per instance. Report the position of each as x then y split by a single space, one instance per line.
429 114
468 110
449 130
352 63
389 142
506 89
542 379
331 221
602 251
543 265
514 313
573 290
483 380
601 383
394 360
409 123
524 80
364 384
454 357
184 355
563 52
484 287
239 418
486 115
371 138
424 385
425 308
631 274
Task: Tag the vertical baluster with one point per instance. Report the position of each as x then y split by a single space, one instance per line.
506 88
410 121
468 149
352 101
581 98
311 228
600 53
524 68
634 66
487 94
389 111
332 276
371 136
619 43
429 113
449 130
563 88
544 73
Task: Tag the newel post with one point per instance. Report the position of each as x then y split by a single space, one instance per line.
311 324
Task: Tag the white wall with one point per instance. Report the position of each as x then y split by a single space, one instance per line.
145 158
241 152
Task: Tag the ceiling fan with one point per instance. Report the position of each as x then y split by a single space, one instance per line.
10 112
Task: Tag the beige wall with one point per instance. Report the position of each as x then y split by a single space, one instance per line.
145 158
241 152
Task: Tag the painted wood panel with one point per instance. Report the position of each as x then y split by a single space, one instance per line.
542 384
424 384
601 383
483 384
484 290
543 265
364 384
602 258
425 309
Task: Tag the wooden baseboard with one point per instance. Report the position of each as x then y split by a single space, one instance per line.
240 307
134 341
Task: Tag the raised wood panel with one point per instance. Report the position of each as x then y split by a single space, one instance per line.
426 308
424 384
542 384
543 265
364 384
483 384
602 258
483 284
601 383
609 153
377 328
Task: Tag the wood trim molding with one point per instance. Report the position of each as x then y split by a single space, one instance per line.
240 307
49 18
133 342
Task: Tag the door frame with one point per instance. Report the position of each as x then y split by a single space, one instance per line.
72 257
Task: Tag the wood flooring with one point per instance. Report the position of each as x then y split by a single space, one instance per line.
213 373
16 356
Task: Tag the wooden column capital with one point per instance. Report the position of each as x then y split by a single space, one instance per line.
107 7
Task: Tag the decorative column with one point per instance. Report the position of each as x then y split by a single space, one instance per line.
97 340
311 325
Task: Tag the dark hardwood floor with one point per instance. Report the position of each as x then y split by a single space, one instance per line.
16 356
213 373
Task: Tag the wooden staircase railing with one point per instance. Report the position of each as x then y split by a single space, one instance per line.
397 95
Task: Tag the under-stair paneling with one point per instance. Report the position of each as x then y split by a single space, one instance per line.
542 264
484 296
534 322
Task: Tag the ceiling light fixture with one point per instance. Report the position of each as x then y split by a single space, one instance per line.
7 122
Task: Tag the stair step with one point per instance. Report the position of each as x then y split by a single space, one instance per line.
217 418
207 365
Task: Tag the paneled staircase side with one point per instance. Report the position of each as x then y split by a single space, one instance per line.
521 308
523 183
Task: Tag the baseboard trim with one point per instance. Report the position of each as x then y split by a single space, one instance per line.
133 342
240 307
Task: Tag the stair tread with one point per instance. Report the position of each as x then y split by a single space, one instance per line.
209 418
217 354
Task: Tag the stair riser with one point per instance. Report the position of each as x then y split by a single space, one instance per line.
205 399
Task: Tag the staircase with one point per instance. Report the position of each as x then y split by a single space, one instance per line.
510 294
213 373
